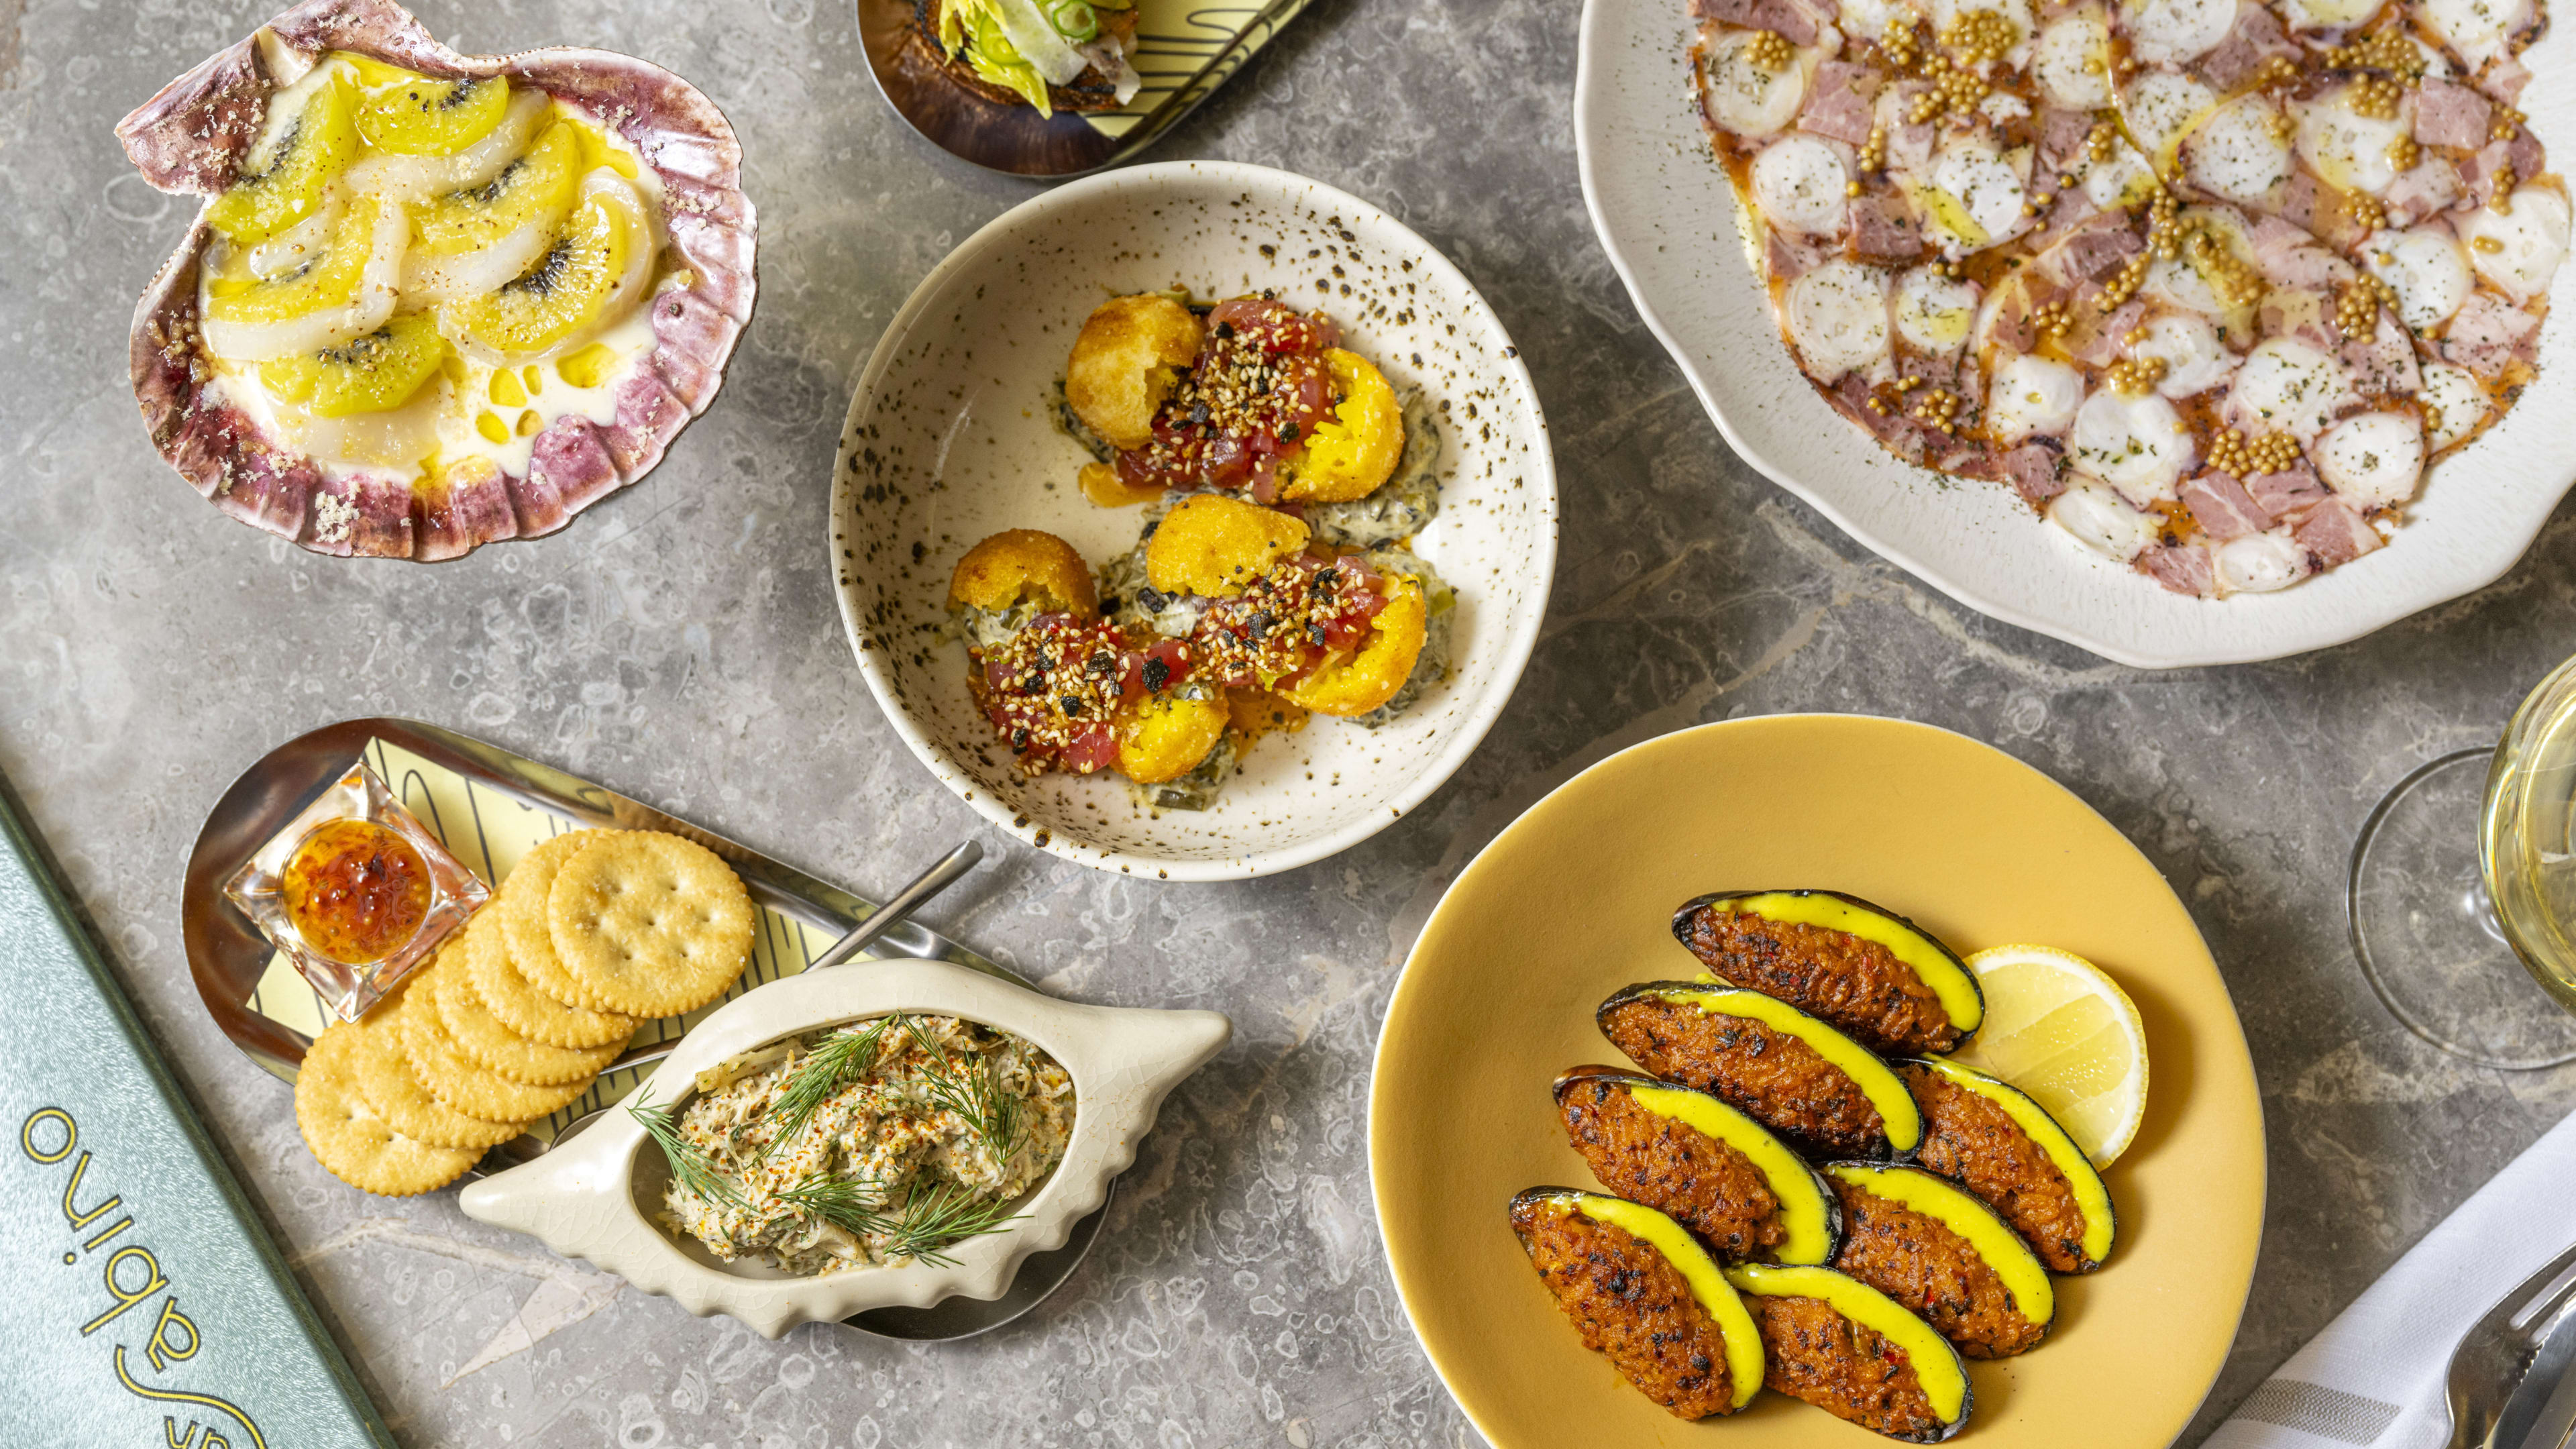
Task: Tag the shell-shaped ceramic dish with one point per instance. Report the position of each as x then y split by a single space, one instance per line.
593 1197
951 437
1666 215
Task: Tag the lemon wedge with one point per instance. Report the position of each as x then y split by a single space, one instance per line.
2064 1032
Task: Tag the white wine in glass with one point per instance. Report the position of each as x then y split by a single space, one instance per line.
2462 892
2525 844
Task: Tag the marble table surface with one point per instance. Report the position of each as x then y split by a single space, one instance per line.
679 643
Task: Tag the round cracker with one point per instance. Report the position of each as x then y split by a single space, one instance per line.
357 1146
508 994
522 904
383 1079
489 1044
650 924
454 1079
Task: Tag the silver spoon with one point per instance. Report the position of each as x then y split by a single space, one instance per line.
951 868
2503 1371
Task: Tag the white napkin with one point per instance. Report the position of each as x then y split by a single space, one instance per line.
2375 1376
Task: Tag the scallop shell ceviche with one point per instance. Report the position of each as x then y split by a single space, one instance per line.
432 300
887 1141
2210 283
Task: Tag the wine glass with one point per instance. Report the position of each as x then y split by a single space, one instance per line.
2462 896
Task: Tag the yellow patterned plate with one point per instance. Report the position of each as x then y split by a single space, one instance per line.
1573 901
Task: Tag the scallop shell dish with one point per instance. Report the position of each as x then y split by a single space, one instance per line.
432 300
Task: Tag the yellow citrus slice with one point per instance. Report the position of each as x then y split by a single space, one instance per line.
283 183
2064 1032
371 374
418 116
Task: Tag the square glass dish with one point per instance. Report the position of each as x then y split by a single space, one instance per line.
355 892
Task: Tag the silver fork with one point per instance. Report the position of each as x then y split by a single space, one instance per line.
2510 1371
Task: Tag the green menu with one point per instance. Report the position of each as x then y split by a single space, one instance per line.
144 1304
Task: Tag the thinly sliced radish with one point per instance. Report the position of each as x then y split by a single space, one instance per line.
428 279
418 178
297 245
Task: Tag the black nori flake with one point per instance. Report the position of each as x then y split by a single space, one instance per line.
1157 674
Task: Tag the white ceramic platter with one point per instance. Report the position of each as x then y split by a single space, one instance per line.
593 1197
1666 214
951 437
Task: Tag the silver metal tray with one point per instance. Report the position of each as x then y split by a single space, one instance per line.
227 956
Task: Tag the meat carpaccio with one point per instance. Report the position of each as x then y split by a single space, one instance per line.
2208 283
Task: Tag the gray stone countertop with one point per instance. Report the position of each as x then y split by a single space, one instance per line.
680 644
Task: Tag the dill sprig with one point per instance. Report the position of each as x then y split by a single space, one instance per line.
938 1218
974 1092
834 1063
855 1207
931 1220
689 1164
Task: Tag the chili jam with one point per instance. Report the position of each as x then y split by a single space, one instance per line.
355 890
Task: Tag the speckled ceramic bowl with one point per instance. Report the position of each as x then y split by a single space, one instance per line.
1666 215
951 438
593 1197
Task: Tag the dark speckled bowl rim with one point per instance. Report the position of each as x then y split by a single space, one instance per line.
1519 637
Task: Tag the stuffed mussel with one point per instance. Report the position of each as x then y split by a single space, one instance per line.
431 299
1792 1072
1645 1295
1879 977
1711 1168
1943 1253
1854 1352
1990 1137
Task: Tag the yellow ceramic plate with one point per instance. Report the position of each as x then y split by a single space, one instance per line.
1573 902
